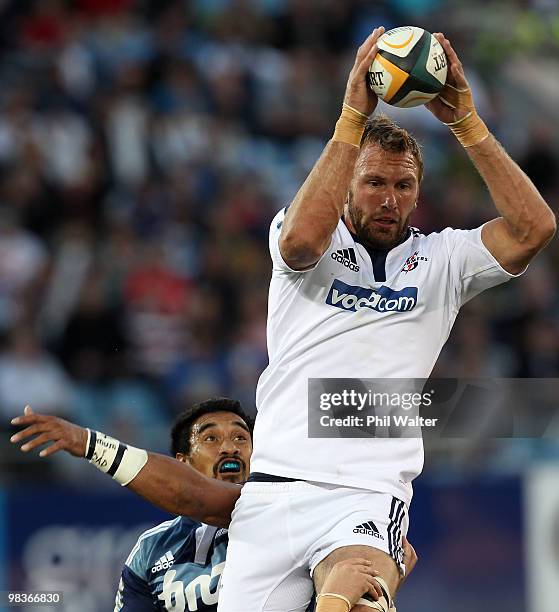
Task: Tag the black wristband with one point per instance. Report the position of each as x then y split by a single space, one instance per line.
91 447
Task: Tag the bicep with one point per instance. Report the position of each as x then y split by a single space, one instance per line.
301 244
512 255
293 246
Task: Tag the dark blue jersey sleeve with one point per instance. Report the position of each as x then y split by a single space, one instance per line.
134 594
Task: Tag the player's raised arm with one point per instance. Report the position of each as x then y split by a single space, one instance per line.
318 205
527 223
165 482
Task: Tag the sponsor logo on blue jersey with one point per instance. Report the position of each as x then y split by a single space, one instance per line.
198 594
383 299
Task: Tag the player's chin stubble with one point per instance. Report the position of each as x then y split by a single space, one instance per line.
377 238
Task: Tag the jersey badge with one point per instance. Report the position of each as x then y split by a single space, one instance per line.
412 262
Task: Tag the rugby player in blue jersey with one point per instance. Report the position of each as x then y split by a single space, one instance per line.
178 564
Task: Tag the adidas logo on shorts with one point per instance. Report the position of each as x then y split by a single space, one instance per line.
368 528
347 258
164 563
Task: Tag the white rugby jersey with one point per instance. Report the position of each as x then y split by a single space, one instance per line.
352 316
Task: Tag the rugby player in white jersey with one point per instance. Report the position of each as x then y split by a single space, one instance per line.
347 301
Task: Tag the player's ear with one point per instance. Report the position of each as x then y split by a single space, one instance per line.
348 199
182 457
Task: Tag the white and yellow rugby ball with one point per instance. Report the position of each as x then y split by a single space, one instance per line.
409 68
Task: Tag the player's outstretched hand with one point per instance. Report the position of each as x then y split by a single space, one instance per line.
410 556
358 94
352 578
64 435
455 100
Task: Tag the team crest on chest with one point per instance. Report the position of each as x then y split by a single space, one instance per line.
412 262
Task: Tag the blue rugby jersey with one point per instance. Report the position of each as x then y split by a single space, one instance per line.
175 566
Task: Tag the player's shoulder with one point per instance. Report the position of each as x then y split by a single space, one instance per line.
455 240
444 241
181 525
277 220
431 237
157 541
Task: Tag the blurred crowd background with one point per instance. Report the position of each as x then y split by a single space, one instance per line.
145 147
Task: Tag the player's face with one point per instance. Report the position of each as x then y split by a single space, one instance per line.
220 446
383 193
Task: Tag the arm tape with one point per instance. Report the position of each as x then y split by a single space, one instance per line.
350 126
384 603
118 460
334 603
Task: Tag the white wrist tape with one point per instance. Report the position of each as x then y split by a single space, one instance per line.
384 603
118 460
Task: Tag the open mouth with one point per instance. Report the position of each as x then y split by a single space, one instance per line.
230 466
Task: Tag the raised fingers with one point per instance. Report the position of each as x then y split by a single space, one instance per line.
27 432
365 49
38 441
454 63
27 419
366 62
53 448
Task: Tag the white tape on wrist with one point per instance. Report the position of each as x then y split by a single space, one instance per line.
118 460
384 603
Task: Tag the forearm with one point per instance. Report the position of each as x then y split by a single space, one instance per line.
318 206
180 489
163 481
526 224
523 209
316 210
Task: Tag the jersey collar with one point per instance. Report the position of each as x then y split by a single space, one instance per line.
379 256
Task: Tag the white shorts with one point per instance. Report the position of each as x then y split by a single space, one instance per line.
280 531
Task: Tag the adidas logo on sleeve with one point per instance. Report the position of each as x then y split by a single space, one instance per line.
164 562
347 258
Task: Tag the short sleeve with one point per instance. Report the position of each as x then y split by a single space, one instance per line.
279 264
134 594
474 267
